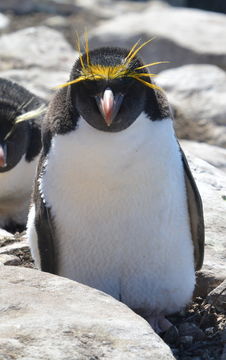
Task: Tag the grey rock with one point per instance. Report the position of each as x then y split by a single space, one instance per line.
218 297
14 246
214 155
197 95
106 10
223 337
190 329
188 339
40 81
37 58
25 7
179 31
49 317
6 259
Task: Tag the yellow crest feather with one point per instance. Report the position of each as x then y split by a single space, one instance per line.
90 71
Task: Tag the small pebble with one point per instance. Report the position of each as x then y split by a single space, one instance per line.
171 335
186 339
209 331
190 329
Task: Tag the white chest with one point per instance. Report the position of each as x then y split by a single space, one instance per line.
119 206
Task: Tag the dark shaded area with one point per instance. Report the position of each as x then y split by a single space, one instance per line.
196 333
25 7
210 5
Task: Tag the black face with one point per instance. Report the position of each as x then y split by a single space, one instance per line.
13 139
129 95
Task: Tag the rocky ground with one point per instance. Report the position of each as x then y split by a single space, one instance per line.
198 332
37 50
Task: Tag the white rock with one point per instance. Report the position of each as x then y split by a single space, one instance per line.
214 155
183 35
37 58
49 317
197 94
5 234
107 9
6 259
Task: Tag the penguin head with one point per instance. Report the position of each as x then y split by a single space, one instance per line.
13 137
18 130
109 87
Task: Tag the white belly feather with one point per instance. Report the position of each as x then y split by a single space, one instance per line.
15 192
120 211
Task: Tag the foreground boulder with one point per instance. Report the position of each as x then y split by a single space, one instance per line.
49 317
197 95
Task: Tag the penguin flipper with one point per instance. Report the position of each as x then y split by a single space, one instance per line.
195 210
45 231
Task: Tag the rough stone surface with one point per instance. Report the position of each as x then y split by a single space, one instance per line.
184 36
197 94
48 317
38 58
6 259
26 7
218 297
4 236
214 155
107 10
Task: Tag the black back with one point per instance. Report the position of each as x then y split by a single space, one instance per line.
24 137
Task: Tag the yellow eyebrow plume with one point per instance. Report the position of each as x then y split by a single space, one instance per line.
91 71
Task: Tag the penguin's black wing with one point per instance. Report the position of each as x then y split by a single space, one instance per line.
59 119
44 226
195 210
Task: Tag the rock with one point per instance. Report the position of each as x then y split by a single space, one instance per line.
184 36
187 340
212 186
223 337
5 236
106 10
214 155
218 297
190 329
25 7
171 335
197 95
37 58
14 246
4 22
9 260
207 280
50 317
